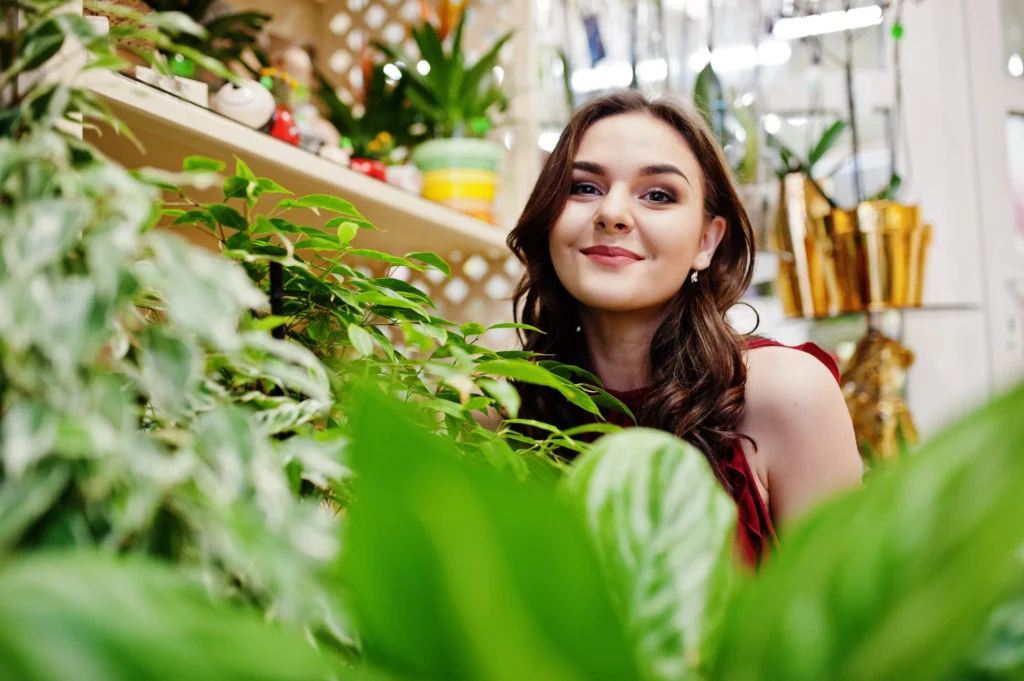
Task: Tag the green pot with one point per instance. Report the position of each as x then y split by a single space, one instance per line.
461 174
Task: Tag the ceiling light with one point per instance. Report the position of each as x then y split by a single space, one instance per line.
772 124
1016 66
548 141
740 57
794 28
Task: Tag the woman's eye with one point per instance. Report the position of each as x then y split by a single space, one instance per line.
659 196
582 188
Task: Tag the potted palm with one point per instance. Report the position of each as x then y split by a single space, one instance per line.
373 135
460 103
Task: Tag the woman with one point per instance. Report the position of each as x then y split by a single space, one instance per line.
636 245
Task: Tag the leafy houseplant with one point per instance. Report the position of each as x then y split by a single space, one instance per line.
386 120
459 103
168 472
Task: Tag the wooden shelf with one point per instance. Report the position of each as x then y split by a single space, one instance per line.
171 128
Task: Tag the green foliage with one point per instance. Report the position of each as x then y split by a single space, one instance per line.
385 112
493 579
664 527
379 328
81 616
224 37
896 581
455 99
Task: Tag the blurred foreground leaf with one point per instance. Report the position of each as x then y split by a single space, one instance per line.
81 617
895 581
458 572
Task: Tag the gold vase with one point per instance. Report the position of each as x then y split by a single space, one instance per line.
802 284
875 254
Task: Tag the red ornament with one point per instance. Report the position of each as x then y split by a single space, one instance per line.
283 126
367 166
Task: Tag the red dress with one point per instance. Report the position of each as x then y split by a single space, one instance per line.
755 531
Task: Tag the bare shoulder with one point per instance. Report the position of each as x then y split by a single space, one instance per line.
796 415
784 382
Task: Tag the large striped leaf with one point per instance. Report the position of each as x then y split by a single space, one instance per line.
896 581
664 529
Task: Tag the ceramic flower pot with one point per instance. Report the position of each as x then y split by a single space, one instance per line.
367 166
461 173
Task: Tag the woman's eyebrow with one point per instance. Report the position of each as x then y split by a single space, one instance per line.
664 169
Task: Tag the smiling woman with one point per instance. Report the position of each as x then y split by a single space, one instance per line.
636 245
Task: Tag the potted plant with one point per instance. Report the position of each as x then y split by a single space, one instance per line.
459 103
374 135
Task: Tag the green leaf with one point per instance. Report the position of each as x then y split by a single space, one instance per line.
664 528
235 187
431 260
513 325
377 298
202 163
384 257
228 216
242 170
268 186
896 580
528 372
331 203
828 139
456 549
471 329
337 222
347 231
169 370
318 244
361 339
505 393
193 216
121 620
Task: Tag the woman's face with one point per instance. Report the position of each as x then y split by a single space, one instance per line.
633 228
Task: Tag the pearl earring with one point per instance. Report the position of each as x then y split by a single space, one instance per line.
693 277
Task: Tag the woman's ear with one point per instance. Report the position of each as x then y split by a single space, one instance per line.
714 232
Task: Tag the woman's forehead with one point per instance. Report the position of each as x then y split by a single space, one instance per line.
634 140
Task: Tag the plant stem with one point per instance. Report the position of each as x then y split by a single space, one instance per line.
277 296
850 103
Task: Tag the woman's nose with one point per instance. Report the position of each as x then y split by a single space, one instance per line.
614 213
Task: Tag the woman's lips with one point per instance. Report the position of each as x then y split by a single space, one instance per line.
611 255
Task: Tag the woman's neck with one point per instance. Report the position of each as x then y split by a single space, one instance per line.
619 344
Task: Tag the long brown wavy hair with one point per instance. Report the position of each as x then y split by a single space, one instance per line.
696 359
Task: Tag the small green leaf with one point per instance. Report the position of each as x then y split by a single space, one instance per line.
471 329
235 187
362 224
828 139
202 163
514 325
193 216
317 244
228 216
242 170
431 260
361 339
268 186
347 231
384 257
505 393
331 203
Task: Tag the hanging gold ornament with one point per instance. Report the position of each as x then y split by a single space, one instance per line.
873 384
